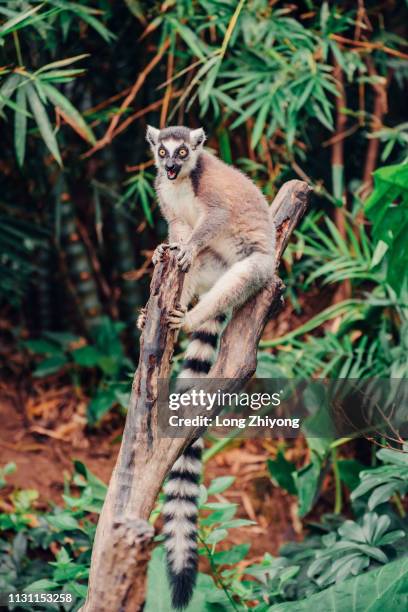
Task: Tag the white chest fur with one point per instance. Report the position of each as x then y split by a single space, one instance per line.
179 197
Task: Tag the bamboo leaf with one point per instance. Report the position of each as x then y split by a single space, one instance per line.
136 8
260 124
71 115
43 122
20 125
10 25
190 38
106 34
8 88
64 62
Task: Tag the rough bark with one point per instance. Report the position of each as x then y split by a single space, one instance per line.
145 458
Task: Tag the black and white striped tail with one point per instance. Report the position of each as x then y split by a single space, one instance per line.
180 509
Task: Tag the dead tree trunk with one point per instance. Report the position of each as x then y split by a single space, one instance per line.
123 533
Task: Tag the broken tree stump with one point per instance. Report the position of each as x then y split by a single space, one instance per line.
119 553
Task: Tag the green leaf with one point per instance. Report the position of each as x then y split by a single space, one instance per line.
87 356
225 146
387 455
238 523
7 88
9 468
11 24
137 9
216 536
42 347
190 38
349 470
383 493
220 484
106 34
100 404
281 472
50 365
23 500
20 125
62 338
60 63
383 589
42 585
77 589
63 522
307 482
231 556
97 487
260 124
43 123
74 118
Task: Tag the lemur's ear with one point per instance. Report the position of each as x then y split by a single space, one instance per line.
197 138
152 136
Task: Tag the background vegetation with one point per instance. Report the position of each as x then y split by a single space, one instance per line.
311 90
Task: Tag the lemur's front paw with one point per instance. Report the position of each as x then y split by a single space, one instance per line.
185 256
141 319
177 317
159 253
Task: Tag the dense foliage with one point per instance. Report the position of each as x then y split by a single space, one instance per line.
311 90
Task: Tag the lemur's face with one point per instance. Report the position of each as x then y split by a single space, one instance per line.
175 149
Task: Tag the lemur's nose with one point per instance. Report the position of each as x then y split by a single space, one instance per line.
170 164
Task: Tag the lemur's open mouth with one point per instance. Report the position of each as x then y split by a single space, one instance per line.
172 173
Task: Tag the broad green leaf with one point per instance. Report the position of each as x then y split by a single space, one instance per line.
63 522
281 472
220 484
87 356
387 455
43 122
42 347
231 556
384 492
307 482
216 536
349 470
50 365
100 404
383 589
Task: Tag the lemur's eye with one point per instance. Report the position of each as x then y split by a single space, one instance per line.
162 152
182 152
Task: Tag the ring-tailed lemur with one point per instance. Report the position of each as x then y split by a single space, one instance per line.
219 223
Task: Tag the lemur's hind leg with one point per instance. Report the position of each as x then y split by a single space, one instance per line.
201 277
232 289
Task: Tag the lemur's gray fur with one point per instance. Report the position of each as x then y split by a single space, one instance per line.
219 223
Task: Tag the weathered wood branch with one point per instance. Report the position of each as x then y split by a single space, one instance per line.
145 458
